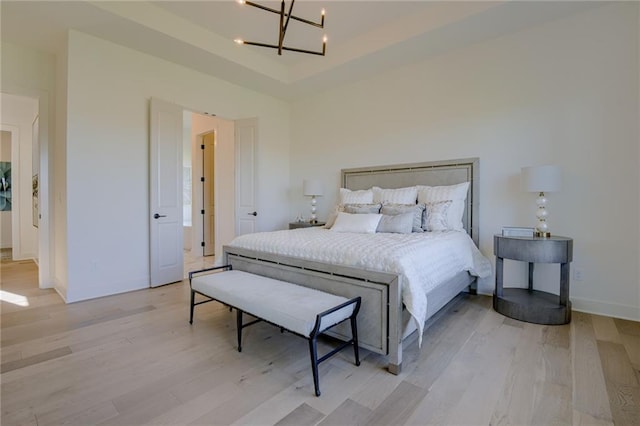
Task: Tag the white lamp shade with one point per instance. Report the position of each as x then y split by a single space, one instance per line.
540 178
312 187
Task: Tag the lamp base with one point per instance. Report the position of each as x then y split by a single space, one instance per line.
542 228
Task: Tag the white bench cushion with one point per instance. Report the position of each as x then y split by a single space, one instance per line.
288 305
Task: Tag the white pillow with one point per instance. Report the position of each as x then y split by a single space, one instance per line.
456 193
358 223
363 196
435 216
406 195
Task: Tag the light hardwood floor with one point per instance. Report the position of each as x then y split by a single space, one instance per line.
194 261
133 359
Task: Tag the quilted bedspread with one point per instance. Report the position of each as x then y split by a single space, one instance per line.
425 260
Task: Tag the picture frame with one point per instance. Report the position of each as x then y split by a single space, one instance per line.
518 231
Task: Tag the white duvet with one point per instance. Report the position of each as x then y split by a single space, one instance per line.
425 260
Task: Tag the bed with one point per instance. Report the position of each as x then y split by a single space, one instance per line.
388 312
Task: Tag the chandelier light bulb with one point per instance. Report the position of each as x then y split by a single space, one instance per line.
239 41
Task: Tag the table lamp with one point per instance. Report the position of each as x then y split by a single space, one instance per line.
313 188
541 179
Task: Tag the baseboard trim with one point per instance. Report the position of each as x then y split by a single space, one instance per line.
607 309
114 287
60 289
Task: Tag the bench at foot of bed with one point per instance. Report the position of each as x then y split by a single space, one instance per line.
303 311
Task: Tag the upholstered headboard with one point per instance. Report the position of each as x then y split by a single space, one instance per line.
433 173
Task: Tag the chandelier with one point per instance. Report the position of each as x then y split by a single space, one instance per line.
284 23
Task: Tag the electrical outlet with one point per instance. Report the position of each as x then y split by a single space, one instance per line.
577 274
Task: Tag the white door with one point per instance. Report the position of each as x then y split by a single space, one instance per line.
208 194
246 209
165 165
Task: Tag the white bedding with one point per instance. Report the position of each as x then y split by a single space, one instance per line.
425 260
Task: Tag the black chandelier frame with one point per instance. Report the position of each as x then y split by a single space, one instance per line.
285 17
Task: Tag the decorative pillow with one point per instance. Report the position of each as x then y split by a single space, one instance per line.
435 216
361 208
331 218
416 209
363 196
455 193
406 195
397 224
358 223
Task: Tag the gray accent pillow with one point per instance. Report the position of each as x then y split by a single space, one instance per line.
416 209
362 208
397 224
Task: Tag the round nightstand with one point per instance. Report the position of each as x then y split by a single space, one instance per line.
527 304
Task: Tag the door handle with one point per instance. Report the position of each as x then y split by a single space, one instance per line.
253 214
157 216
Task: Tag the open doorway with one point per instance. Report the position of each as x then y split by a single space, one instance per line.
6 232
222 193
173 127
19 169
199 188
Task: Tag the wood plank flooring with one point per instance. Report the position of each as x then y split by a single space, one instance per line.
133 359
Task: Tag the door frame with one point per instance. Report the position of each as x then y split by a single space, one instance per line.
45 247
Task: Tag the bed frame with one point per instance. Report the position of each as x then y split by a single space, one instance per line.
382 322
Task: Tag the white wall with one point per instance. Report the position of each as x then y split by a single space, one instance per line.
59 191
19 112
109 88
565 92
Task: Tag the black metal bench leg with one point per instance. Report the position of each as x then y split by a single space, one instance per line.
239 326
313 351
354 335
193 301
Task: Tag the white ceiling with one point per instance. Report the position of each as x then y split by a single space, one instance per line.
364 37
